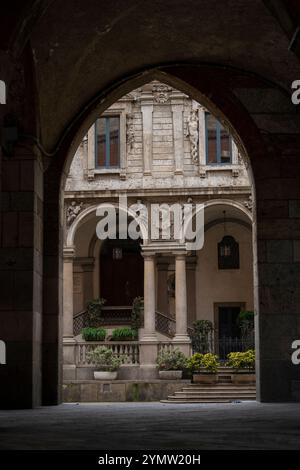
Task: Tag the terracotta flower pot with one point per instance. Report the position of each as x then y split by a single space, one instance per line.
205 378
243 377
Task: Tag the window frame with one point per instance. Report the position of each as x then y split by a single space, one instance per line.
107 165
218 161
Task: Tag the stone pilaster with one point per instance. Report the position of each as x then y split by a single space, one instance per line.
69 367
147 112
177 112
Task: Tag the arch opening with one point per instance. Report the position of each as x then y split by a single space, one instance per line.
159 146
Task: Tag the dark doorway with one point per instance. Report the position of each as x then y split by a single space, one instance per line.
121 272
228 322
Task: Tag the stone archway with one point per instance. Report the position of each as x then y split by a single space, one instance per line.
191 79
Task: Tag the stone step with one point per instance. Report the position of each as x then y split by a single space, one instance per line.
213 392
205 400
220 389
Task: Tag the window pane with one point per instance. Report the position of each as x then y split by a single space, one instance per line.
100 143
211 136
225 146
114 131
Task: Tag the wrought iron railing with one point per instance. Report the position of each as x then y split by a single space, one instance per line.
223 346
119 315
129 351
165 324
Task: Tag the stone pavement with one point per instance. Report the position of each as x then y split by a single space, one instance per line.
143 426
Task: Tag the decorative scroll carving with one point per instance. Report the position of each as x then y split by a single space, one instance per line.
193 134
161 92
130 136
72 211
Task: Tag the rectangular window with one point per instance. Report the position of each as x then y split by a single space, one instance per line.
107 145
218 142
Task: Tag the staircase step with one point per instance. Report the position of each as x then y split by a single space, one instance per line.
202 400
213 393
220 387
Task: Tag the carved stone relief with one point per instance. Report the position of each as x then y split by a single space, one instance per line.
193 134
72 211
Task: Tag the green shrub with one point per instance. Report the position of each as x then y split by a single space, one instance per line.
209 362
124 334
93 334
194 363
171 360
136 314
94 309
241 360
202 336
104 359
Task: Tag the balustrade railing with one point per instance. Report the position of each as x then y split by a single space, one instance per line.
127 351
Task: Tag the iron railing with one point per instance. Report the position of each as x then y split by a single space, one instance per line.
223 346
119 315
165 324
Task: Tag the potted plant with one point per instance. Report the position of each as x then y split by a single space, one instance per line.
243 364
93 334
204 367
170 364
124 334
105 361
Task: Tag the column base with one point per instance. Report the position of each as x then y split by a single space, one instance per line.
69 372
148 372
183 343
148 338
181 339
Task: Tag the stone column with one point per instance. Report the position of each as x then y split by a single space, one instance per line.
149 297
69 367
68 293
181 336
148 343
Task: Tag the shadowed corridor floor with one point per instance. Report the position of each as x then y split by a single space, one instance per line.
143 426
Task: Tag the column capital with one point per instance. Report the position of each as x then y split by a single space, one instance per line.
180 256
69 253
148 254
